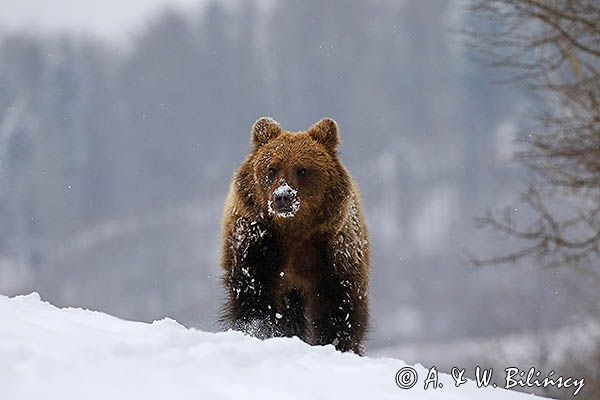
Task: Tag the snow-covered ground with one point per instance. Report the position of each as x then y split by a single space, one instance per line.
52 353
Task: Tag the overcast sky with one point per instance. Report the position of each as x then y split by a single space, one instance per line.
110 19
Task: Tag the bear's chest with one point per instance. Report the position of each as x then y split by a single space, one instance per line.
301 267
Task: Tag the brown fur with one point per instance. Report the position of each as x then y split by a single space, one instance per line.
306 275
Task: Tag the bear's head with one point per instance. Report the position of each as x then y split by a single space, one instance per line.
298 178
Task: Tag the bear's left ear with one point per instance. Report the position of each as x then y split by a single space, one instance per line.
263 130
325 132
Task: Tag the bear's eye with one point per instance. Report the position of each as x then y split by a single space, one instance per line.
271 171
301 171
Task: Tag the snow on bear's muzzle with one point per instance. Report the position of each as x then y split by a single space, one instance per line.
284 201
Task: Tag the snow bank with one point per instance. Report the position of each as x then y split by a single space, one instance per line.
52 353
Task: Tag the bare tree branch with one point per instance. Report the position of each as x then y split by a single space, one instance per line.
553 48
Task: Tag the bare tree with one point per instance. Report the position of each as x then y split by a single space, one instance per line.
553 48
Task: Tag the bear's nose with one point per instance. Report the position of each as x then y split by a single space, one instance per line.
283 200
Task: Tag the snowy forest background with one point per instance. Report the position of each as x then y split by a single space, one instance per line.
115 160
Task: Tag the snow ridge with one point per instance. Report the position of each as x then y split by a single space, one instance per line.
52 353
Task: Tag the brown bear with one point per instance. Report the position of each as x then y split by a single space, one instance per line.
295 253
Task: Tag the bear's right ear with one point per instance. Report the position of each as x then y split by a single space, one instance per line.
326 132
264 130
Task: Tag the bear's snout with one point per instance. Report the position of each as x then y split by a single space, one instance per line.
284 201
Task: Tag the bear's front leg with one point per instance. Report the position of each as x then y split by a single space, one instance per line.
342 315
250 261
292 321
